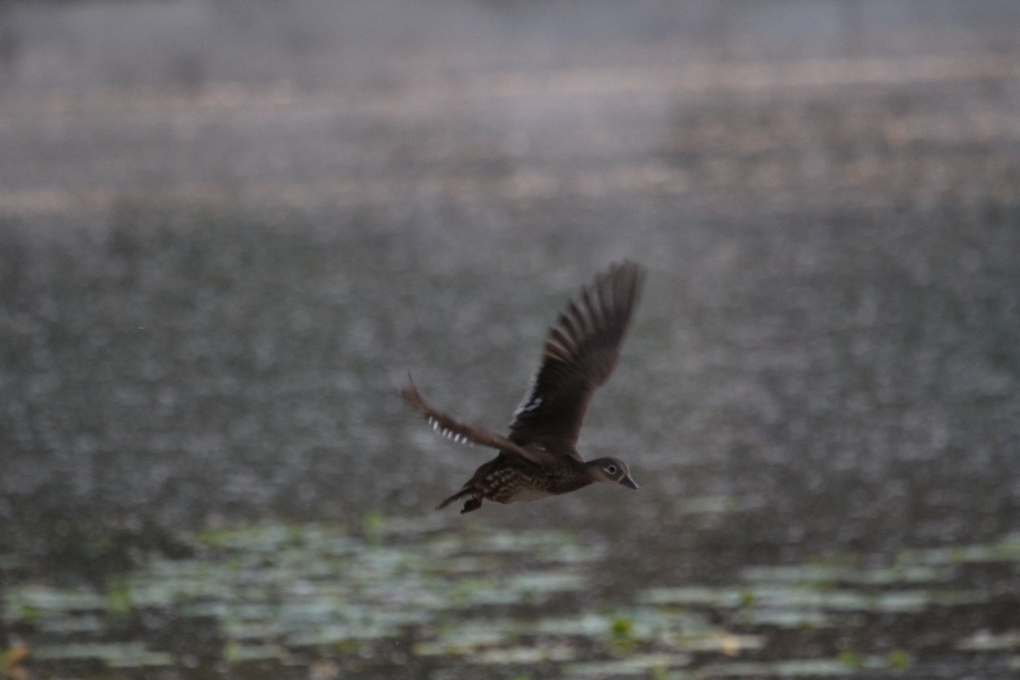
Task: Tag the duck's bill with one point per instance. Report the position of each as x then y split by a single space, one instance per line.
629 483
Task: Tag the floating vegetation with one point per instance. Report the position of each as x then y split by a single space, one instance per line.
822 575
235 652
112 654
524 655
638 664
315 594
784 597
794 668
802 619
985 641
1005 550
467 638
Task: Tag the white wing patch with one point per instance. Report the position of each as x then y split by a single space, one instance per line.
450 434
530 403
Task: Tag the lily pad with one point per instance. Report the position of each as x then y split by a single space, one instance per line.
639 664
112 654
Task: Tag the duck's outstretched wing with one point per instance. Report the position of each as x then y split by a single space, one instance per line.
580 354
461 432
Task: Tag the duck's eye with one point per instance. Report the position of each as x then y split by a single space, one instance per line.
611 469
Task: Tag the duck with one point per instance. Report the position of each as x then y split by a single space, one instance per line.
538 458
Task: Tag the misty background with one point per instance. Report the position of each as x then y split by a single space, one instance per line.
228 230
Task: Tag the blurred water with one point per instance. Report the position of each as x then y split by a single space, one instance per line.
856 377
215 270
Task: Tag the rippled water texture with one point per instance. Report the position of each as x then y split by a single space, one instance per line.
217 265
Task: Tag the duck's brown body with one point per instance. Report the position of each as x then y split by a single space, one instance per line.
539 457
508 479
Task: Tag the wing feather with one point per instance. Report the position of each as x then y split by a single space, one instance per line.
579 355
461 432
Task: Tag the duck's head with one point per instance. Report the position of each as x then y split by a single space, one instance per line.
611 470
